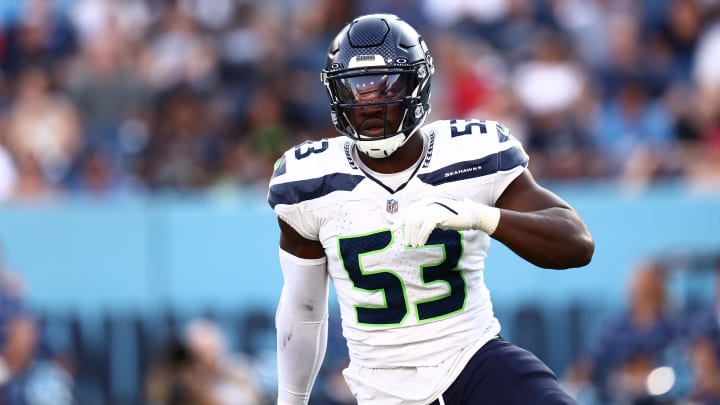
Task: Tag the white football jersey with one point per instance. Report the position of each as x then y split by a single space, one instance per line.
425 309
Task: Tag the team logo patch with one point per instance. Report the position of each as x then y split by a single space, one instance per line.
392 206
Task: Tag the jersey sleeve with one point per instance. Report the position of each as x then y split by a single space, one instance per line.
307 181
512 159
285 197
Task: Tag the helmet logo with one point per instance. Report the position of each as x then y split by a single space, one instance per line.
366 60
401 61
335 66
418 112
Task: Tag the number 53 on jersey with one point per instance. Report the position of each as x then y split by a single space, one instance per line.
352 250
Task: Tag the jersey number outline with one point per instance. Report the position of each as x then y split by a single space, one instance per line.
395 309
465 127
312 147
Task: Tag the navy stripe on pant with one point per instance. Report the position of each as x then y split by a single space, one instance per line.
504 374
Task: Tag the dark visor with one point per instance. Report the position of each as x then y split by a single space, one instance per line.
373 88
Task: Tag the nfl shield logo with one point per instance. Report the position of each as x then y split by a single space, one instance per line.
392 206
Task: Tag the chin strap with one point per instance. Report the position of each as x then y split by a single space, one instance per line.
384 147
381 148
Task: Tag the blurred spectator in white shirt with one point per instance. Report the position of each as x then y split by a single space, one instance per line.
226 377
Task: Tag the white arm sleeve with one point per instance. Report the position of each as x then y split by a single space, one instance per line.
301 324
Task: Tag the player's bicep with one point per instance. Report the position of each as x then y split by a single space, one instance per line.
294 243
524 194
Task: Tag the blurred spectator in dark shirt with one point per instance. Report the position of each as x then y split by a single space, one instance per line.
704 342
12 295
41 36
629 346
29 375
25 377
185 151
680 32
705 361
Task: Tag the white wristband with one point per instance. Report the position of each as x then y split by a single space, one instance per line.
469 215
485 218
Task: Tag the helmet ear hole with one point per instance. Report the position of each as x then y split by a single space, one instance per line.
421 72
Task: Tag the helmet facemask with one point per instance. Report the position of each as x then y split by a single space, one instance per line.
379 108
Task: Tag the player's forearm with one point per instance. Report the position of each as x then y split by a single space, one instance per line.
300 351
553 238
301 323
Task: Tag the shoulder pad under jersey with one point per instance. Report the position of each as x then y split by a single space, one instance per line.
471 140
313 169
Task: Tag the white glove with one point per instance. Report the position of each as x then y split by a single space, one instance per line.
438 212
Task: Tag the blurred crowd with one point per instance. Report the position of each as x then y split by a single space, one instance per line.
131 97
118 97
200 369
194 365
662 348
32 371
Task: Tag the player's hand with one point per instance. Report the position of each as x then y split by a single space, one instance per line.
437 212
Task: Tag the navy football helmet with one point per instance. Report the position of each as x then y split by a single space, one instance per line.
378 61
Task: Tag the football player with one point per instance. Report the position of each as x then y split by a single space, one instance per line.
399 214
